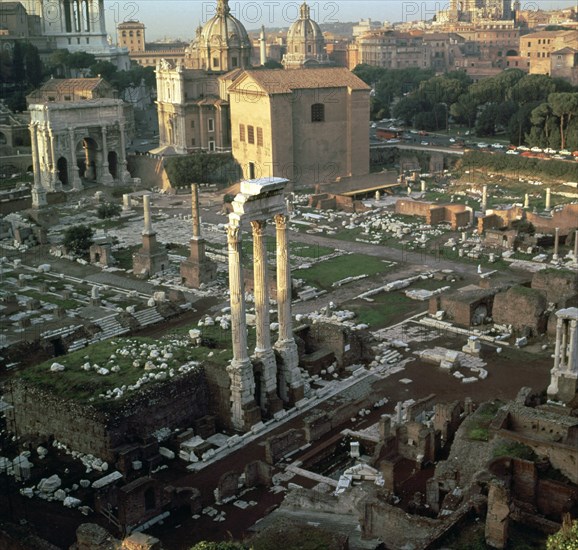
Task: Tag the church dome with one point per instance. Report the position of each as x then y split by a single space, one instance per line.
222 44
224 29
305 29
305 42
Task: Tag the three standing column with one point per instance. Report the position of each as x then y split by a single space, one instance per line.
291 384
269 400
240 370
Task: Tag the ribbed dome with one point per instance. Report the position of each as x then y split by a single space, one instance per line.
304 29
305 42
221 45
224 29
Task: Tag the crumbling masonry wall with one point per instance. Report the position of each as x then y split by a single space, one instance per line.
99 431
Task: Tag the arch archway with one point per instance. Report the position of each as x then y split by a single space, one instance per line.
62 168
113 164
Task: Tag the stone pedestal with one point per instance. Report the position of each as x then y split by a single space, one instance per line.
152 258
197 269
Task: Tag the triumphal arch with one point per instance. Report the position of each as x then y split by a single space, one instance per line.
77 136
261 383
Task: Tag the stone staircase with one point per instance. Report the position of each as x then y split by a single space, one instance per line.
148 316
110 327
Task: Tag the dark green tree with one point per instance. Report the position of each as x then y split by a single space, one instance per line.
33 66
565 106
108 210
78 239
18 67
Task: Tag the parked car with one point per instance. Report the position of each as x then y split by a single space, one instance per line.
536 150
523 148
565 153
497 146
482 145
512 152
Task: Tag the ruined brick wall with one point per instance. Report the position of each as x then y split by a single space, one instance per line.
218 383
395 527
413 208
348 346
278 446
87 429
556 285
497 518
140 501
565 218
435 215
460 219
522 307
553 499
490 221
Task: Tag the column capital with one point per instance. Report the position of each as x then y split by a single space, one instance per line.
233 234
281 221
258 227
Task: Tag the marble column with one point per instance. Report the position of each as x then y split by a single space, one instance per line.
548 198
195 211
240 370
291 384
106 177
123 175
526 201
263 350
56 183
559 327
148 227
423 186
126 204
572 360
73 171
484 198
556 239
38 192
576 247
564 345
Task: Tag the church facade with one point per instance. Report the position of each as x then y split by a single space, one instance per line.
192 101
308 126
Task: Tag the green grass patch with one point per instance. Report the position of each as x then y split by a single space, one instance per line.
84 386
515 450
314 251
325 273
384 311
52 299
479 423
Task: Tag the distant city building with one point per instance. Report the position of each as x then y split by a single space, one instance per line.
537 49
473 11
393 50
131 35
307 125
366 25
75 25
305 42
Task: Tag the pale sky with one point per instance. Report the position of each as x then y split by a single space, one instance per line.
179 18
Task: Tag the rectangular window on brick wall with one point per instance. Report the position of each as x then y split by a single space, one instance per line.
251 134
241 132
259 137
211 123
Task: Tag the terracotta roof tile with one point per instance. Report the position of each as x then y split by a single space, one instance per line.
280 81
